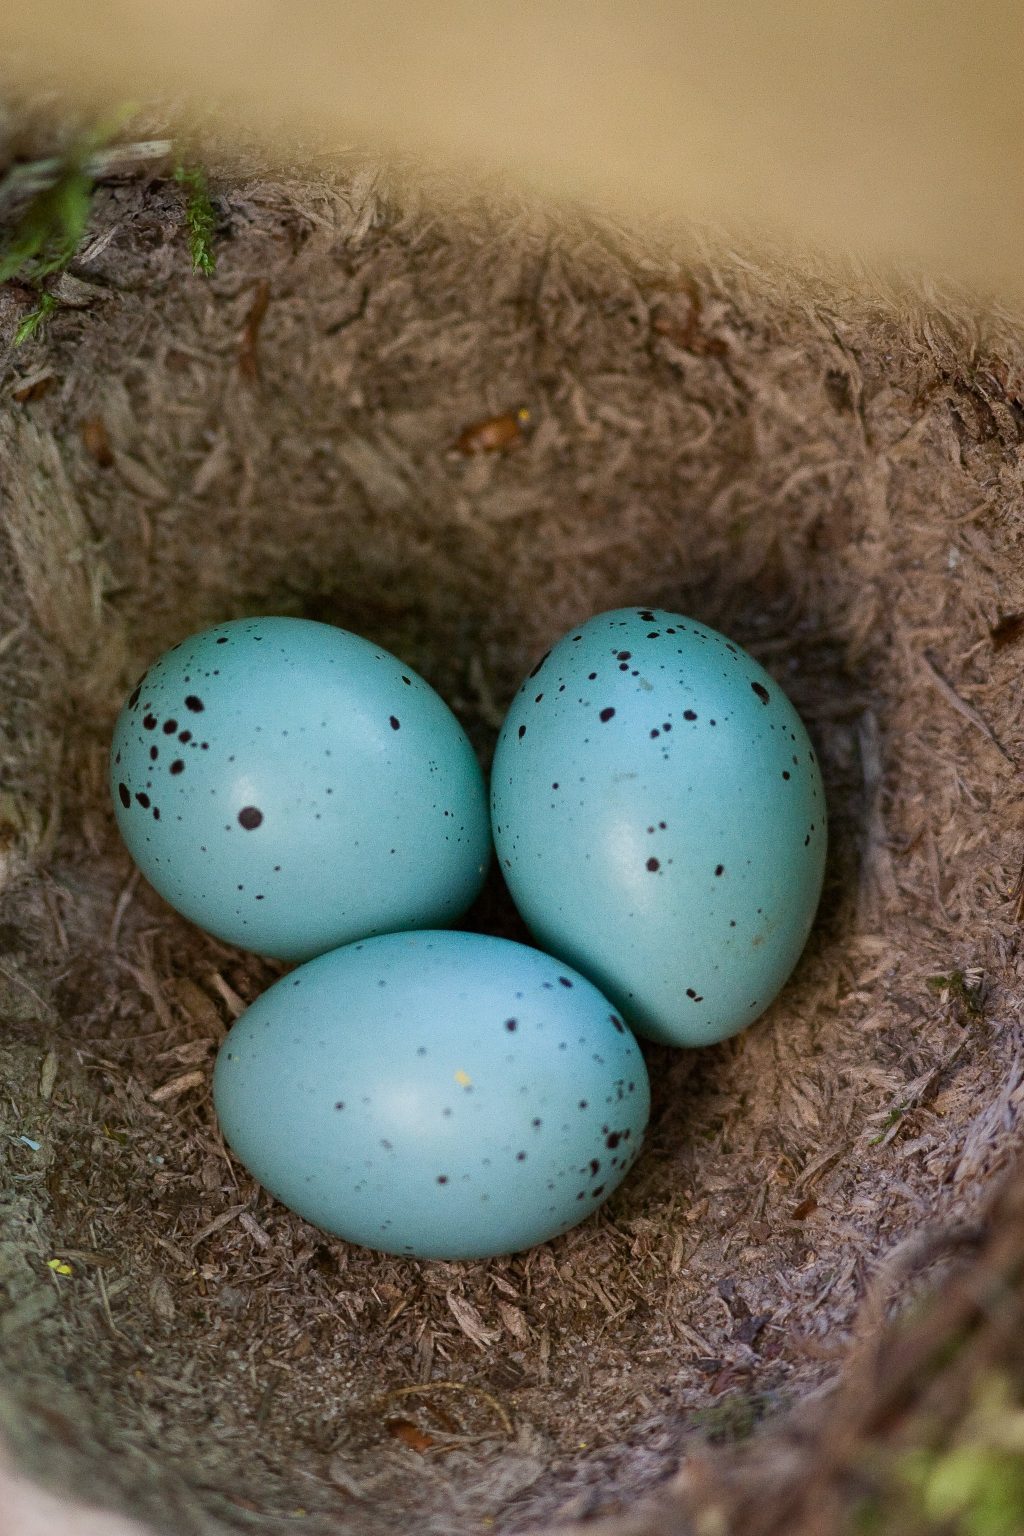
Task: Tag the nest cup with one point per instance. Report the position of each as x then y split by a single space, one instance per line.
831 477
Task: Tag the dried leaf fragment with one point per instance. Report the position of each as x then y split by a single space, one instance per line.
493 434
96 441
248 353
409 1434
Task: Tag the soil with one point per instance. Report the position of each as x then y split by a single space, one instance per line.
826 468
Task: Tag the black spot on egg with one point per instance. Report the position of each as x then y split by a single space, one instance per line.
125 797
178 766
653 865
761 691
250 817
719 869
564 981
511 1025
194 704
394 722
522 732
689 714
143 800
170 726
149 722
134 699
607 713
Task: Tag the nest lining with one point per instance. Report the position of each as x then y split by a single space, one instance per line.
832 478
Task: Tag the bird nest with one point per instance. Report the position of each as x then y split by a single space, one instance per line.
459 430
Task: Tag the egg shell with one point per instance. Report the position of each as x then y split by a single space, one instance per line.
660 821
290 787
445 1095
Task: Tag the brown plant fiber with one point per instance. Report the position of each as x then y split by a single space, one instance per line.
834 478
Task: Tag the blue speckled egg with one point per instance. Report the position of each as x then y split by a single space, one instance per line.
659 816
290 787
447 1095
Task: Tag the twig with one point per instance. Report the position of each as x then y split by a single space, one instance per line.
962 707
39 174
19 981
121 906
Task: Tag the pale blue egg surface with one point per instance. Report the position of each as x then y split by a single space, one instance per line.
439 1094
290 786
660 821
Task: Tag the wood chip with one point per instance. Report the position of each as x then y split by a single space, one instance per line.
514 1321
177 1086
215 1225
48 1075
234 1004
199 1008
470 1321
260 1238
74 294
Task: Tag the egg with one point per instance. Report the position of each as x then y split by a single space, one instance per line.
447 1095
289 786
660 821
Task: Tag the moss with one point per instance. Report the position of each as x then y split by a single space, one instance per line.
967 992
733 1418
970 1486
201 218
47 232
